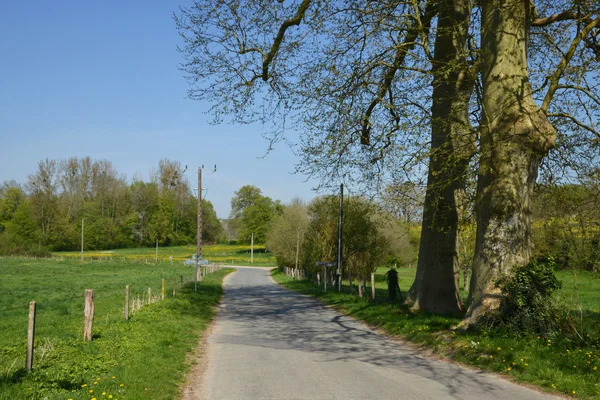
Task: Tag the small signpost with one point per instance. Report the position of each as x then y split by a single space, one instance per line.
325 264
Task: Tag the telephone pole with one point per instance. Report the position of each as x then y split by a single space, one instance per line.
199 227
82 219
339 255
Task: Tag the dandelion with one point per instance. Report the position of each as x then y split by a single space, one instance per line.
499 348
95 383
595 368
121 385
553 386
114 377
91 390
574 392
110 396
84 385
508 368
527 365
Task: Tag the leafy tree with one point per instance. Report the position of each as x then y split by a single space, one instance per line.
287 230
364 244
253 213
363 85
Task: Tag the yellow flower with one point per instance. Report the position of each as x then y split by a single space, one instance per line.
84 385
499 348
595 368
110 396
91 390
574 392
508 368
95 383
554 386
114 377
121 385
103 393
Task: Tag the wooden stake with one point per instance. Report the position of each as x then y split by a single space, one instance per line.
149 295
30 336
174 287
88 312
163 289
373 285
126 302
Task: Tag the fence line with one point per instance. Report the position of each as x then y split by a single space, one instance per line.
131 306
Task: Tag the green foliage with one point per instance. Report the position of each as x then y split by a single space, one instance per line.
253 213
528 305
286 231
364 244
566 225
62 193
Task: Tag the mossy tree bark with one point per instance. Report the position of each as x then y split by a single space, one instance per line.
515 136
452 146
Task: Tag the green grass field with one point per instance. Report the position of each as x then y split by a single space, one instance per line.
218 253
136 359
556 364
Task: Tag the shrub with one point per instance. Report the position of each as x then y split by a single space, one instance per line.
528 305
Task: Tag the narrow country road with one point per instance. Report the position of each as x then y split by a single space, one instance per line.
272 343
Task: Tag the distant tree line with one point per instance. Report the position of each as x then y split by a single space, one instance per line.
45 213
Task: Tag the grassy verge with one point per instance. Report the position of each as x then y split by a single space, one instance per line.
218 253
555 364
136 359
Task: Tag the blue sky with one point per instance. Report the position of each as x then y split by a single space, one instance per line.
100 79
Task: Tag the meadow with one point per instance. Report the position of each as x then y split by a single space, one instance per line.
219 253
144 357
562 364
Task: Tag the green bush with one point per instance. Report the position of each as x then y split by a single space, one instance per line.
528 305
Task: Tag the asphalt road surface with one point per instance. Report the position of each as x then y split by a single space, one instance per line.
272 343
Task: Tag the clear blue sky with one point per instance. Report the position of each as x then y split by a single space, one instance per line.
100 79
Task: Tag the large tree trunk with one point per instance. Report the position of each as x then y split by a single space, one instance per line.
515 135
452 145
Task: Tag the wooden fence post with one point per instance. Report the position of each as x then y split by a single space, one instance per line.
318 279
30 336
126 302
174 287
163 289
373 285
88 312
149 295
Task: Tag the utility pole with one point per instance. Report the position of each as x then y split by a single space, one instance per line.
297 245
82 239
339 255
199 227
252 249
156 254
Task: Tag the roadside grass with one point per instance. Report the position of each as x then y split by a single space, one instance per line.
142 358
555 364
217 253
